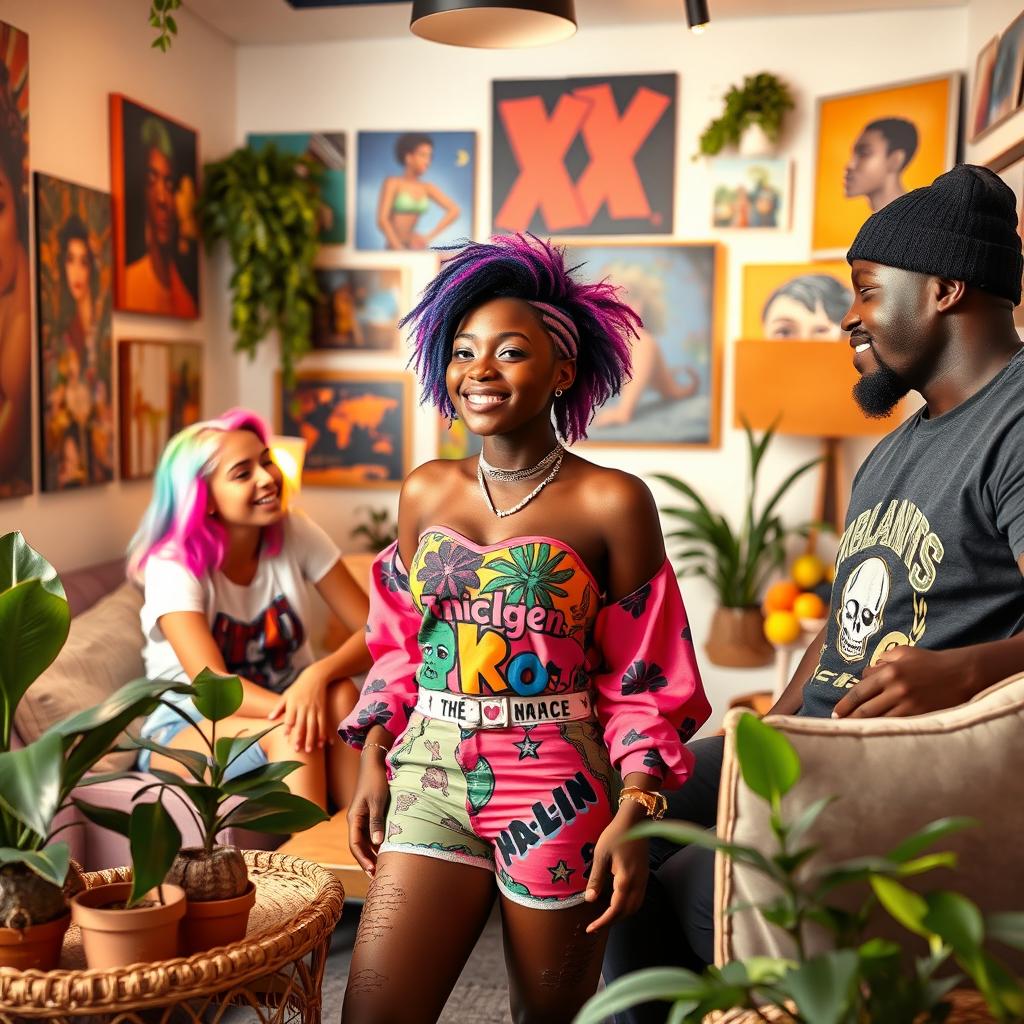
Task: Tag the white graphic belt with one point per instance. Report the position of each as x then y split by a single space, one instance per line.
503 712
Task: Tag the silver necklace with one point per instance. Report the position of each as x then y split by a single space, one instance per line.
502 512
512 476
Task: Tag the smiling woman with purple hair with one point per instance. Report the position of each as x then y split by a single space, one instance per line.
531 648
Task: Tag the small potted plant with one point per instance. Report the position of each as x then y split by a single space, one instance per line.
861 978
737 564
752 118
214 877
378 531
36 780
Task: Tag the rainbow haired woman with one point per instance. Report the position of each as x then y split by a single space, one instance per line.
530 650
225 564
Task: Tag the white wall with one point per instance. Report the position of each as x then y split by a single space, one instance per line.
407 83
78 54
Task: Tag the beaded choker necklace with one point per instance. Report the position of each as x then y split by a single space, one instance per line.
555 456
511 476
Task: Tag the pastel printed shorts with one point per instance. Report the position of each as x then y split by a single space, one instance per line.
527 803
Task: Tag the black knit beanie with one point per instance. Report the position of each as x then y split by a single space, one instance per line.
962 226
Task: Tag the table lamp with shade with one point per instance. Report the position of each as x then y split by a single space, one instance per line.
289 453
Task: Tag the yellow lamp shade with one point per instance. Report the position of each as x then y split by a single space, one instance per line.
289 453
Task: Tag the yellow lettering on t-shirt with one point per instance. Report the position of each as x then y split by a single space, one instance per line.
480 654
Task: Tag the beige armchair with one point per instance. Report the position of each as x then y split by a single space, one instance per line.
892 776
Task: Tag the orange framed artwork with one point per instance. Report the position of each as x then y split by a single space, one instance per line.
875 145
154 163
805 301
357 426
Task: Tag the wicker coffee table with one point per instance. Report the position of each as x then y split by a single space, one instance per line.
275 973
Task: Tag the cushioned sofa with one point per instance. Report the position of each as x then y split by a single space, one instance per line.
102 652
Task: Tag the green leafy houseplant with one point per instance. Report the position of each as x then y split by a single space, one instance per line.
162 18
36 781
264 204
763 100
860 978
378 531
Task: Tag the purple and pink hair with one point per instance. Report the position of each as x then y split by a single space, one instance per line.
176 524
587 322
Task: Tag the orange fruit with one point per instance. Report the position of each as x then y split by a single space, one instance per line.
782 628
780 596
809 606
807 571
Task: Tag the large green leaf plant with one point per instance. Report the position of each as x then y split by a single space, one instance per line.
736 563
36 781
859 978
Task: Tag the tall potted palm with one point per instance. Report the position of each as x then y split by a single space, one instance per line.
737 563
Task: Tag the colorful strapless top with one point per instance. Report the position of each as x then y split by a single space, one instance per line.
525 617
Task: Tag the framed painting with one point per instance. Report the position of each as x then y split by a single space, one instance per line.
875 145
76 374
414 189
454 441
359 309
1005 82
329 150
15 273
805 301
161 392
357 426
751 192
584 156
678 289
1009 165
153 174
981 90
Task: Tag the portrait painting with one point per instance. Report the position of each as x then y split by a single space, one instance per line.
1005 86
796 301
1010 167
328 149
584 156
414 189
359 309
677 288
160 393
981 90
74 271
454 441
153 175
874 146
15 275
357 426
750 192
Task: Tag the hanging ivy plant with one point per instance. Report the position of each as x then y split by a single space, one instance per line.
264 204
162 18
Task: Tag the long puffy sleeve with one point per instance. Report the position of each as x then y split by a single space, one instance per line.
650 698
389 693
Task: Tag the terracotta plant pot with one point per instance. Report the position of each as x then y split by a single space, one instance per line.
736 639
213 923
116 938
36 947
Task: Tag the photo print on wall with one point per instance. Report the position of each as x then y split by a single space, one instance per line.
805 301
329 150
584 156
74 270
153 175
414 189
750 192
678 290
15 294
359 309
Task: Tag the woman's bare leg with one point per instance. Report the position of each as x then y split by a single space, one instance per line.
553 964
342 760
421 919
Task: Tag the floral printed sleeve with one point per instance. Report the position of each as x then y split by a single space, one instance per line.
650 699
389 693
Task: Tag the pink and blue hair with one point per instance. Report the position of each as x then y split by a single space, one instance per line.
587 322
176 524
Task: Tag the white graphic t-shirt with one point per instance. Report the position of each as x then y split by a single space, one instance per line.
260 628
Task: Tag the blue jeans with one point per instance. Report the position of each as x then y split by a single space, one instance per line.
675 926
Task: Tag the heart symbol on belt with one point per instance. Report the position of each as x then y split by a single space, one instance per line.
492 712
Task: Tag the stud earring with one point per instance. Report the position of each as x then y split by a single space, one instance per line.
559 392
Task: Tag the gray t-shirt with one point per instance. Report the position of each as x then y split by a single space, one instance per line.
933 534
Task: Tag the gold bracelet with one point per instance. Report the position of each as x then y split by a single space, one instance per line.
654 804
379 746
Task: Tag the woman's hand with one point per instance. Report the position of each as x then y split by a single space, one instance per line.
369 808
304 709
625 861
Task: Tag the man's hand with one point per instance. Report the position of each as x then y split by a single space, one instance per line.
912 681
304 707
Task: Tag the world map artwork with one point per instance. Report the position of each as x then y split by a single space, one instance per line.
355 427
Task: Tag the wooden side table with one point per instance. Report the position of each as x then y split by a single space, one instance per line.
327 845
275 972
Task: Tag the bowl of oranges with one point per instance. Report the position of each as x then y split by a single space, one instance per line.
798 604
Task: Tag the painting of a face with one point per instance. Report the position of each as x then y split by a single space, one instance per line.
869 164
77 268
787 317
159 196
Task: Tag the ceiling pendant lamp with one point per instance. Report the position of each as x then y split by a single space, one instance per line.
493 24
697 15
